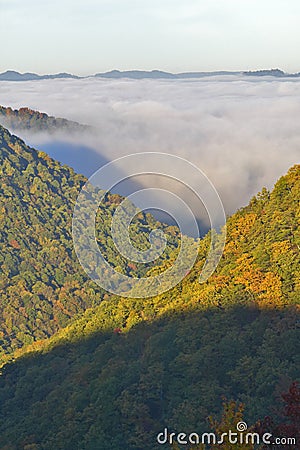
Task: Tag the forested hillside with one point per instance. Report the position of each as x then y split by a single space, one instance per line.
28 119
42 285
124 369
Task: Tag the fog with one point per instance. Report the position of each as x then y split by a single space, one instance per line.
242 132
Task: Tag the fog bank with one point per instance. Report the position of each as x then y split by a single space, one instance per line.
242 132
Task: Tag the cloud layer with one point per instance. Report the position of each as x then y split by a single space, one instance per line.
243 133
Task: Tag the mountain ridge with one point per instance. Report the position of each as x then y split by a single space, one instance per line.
11 75
29 119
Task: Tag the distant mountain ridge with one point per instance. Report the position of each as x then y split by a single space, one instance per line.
11 75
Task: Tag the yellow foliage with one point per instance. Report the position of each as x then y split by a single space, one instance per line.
242 226
267 286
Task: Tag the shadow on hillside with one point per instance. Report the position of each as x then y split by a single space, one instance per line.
82 158
85 160
116 390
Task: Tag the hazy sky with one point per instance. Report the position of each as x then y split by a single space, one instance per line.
97 35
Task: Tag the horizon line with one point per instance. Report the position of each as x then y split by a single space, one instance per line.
14 75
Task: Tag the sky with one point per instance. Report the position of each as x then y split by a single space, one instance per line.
85 37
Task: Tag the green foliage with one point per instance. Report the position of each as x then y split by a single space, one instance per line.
42 285
123 369
97 389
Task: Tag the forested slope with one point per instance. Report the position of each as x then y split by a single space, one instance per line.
42 285
126 368
29 119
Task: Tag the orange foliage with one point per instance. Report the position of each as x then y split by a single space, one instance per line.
14 243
